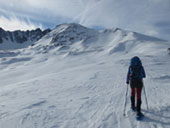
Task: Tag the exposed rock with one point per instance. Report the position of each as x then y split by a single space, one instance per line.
22 36
69 33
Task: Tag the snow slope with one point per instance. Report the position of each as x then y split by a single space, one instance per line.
74 77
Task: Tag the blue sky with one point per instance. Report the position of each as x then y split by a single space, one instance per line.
150 17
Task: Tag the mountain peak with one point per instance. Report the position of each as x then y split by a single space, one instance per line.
69 33
73 25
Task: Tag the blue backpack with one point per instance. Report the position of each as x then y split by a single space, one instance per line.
135 68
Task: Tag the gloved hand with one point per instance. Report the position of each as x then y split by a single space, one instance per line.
127 82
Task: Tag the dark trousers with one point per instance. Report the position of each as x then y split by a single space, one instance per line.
137 92
136 89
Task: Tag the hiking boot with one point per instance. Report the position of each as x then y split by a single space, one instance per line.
139 114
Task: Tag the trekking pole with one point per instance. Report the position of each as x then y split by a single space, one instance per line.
145 97
125 101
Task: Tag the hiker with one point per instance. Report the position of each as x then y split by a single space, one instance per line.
135 76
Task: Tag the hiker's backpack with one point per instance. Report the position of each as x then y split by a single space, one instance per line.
135 68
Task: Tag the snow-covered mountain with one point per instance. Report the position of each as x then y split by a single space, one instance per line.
74 77
19 39
74 38
77 39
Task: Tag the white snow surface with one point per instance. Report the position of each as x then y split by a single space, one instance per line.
78 80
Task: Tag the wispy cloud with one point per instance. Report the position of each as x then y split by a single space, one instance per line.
140 16
14 23
136 15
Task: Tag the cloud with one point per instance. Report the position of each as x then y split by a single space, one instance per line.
141 16
43 8
14 23
48 12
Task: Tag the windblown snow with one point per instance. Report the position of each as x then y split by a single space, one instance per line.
74 77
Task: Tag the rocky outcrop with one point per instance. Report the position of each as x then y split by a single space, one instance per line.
22 36
69 33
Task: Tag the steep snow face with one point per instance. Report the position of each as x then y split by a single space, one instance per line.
133 43
74 77
19 39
